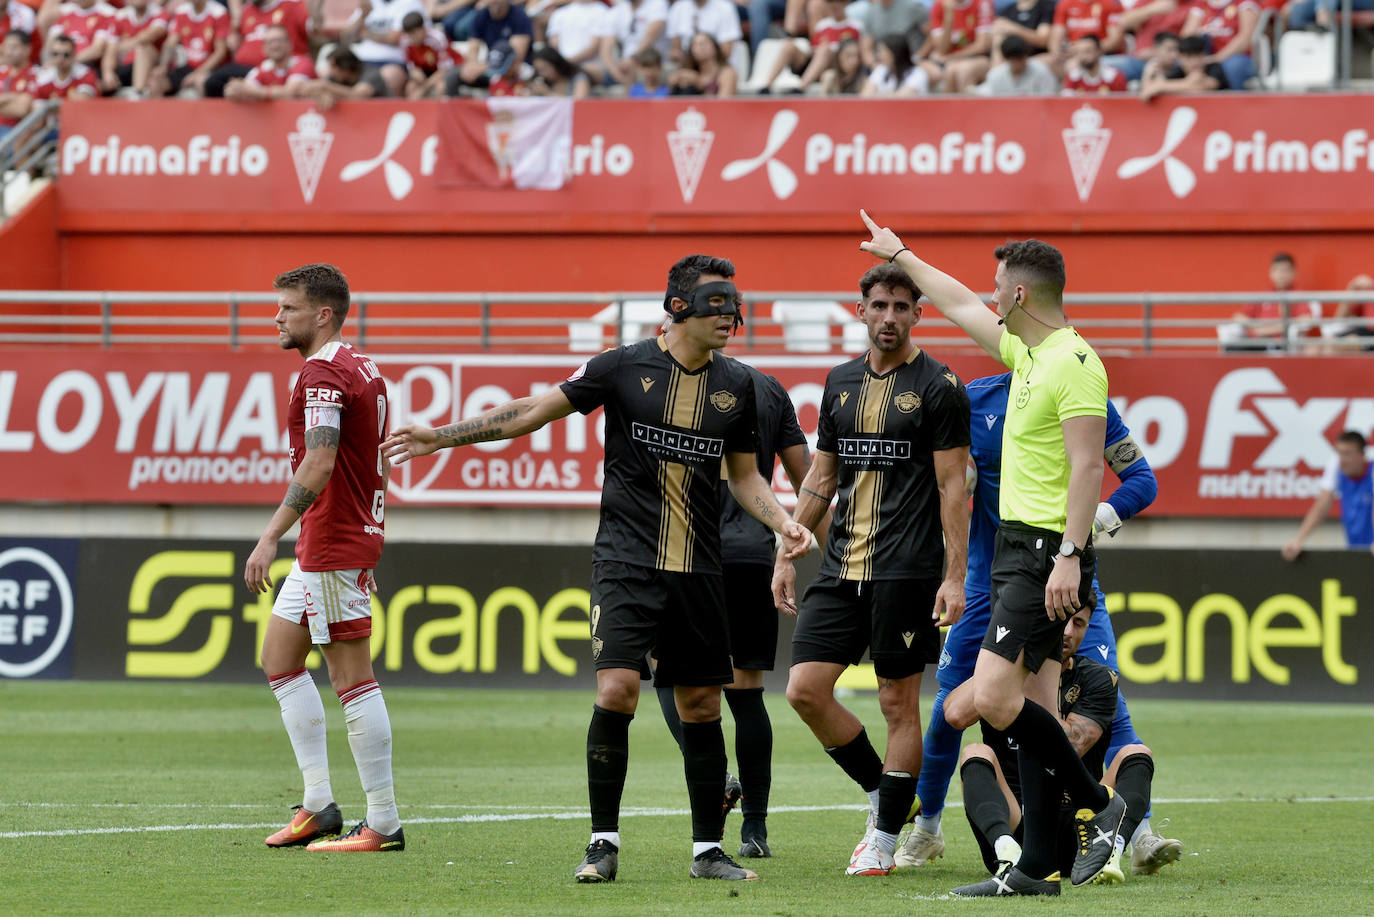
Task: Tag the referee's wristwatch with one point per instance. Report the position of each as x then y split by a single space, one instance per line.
1068 549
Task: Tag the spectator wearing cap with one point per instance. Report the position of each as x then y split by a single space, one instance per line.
1019 74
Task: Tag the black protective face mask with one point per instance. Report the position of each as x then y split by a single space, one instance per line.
699 302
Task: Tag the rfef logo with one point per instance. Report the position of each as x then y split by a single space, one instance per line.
37 605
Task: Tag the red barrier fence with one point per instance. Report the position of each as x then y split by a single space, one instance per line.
1227 436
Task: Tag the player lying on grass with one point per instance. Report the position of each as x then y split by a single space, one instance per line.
992 786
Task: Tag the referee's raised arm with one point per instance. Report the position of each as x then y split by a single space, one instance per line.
955 301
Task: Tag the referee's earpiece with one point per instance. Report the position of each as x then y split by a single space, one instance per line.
1018 300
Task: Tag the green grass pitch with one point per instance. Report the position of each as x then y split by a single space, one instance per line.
1271 802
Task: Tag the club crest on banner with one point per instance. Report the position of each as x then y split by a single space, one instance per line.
690 145
500 130
1085 143
310 144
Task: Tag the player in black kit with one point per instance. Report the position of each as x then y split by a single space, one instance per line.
894 441
747 563
675 411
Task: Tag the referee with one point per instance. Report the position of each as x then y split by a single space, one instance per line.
677 413
1044 562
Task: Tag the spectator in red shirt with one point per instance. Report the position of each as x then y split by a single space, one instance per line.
85 22
135 38
1075 18
1088 75
826 37
15 16
1146 20
1359 315
64 78
16 79
959 30
429 57
1262 326
1230 27
281 75
249 21
201 29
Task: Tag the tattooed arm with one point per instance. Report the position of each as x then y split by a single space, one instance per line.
753 493
321 449
508 421
1083 732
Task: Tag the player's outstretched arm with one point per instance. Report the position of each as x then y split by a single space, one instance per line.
321 451
955 301
508 421
753 493
951 469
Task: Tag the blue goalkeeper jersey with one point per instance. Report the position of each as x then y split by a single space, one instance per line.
988 410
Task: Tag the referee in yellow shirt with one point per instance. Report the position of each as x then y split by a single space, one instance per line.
1044 561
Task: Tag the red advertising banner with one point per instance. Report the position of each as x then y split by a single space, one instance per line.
1227 436
1184 157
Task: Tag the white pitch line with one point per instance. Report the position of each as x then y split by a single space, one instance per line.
569 815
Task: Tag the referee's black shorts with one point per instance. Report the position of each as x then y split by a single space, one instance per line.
678 618
1021 563
839 619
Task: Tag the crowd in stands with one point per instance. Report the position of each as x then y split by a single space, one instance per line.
261 49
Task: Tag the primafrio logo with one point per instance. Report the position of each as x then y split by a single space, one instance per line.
399 181
36 611
781 178
1177 173
310 144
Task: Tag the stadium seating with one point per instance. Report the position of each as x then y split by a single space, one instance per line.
1307 60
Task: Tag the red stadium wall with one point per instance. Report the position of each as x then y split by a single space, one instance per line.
774 258
31 247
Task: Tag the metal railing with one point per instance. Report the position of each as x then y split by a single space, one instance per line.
779 321
29 149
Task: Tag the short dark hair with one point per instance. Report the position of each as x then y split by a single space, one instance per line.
1162 37
341 58
1354 437
1089 36
1040 264
683 276
24 37
63 39
1283 258
1014 46
412 20
890 276
649 57
1193 44
323 284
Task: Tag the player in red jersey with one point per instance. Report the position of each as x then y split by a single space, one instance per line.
335 421
200 28
1088 74
135 38
281 75
63 78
